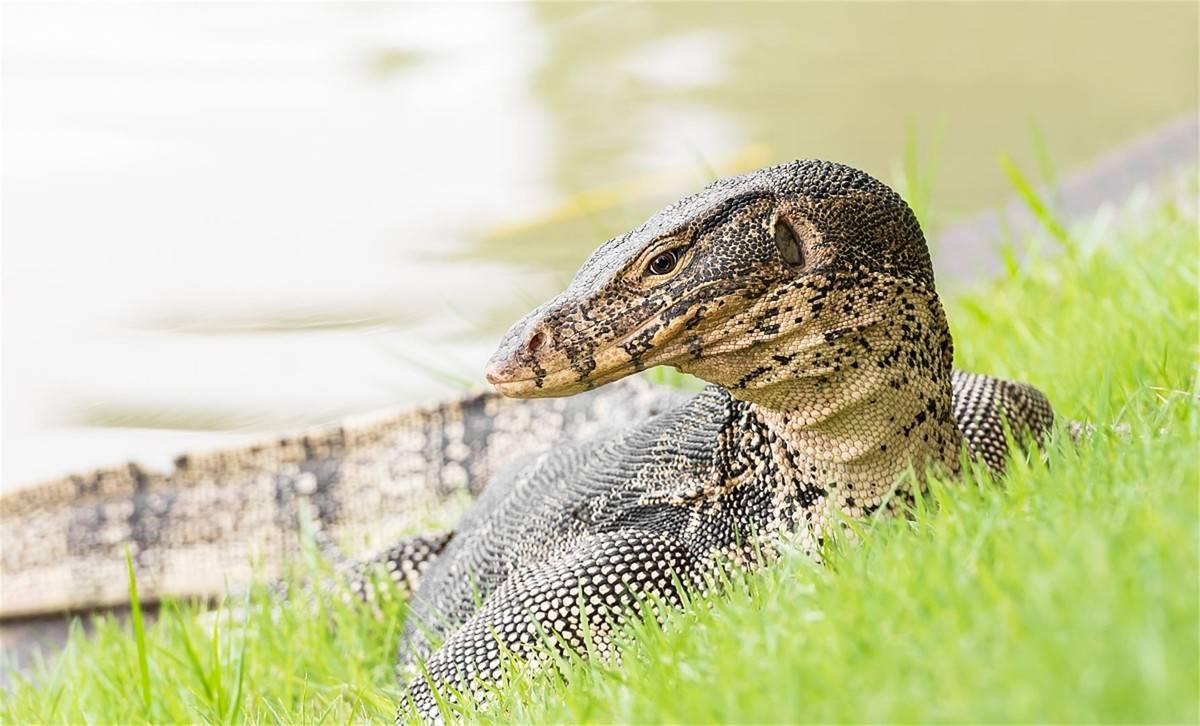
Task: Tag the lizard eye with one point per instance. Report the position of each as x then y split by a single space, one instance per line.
663 263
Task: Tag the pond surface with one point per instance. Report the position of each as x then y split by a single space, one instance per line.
226 219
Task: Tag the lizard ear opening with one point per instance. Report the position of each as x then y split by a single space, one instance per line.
788 243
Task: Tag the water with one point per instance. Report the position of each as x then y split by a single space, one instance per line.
226 219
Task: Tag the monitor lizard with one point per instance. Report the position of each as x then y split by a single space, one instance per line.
804 295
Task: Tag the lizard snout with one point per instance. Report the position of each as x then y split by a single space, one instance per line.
509 362
519 365
494 372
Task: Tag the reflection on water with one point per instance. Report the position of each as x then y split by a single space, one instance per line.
221 219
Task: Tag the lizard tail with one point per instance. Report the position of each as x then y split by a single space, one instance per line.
226 517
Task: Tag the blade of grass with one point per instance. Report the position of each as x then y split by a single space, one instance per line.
235 701
193 658
139 633
1035 203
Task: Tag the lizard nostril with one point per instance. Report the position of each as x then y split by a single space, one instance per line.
535 342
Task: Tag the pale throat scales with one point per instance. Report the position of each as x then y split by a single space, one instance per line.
851 413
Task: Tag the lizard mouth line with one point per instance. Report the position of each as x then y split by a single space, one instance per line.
608 351
597 372
565 369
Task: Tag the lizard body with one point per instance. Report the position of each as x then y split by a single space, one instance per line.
804 294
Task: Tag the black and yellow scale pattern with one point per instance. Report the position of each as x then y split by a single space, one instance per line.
804 294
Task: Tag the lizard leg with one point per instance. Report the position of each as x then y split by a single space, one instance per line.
984 407
404 562
581 596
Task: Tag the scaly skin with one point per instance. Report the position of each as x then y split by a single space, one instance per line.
804 294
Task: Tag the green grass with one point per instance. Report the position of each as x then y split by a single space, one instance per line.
1067 594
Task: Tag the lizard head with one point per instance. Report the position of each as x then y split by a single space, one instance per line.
757 280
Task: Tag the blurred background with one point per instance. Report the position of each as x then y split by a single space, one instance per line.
221 220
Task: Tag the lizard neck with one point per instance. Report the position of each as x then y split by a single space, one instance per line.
853 410
861 448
